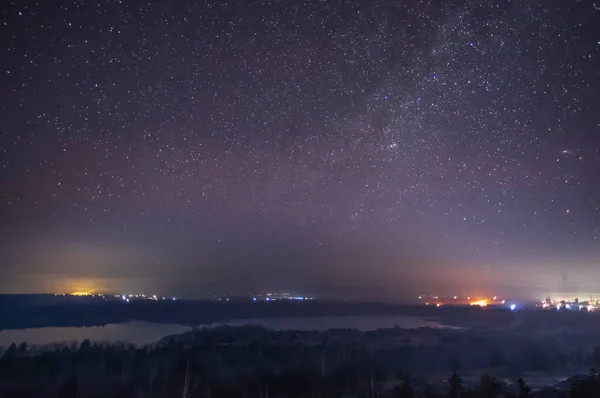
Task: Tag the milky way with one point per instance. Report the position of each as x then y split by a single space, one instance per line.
229 135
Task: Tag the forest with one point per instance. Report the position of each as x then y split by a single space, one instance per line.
256 362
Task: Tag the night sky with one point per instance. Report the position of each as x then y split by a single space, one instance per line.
328 147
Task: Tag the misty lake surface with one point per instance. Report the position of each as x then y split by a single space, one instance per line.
364 323
140 333
135 332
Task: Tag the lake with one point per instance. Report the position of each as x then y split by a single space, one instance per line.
140 333
364 323
135 332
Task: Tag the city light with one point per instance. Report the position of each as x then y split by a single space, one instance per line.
569 304
560 304
481 303
81 293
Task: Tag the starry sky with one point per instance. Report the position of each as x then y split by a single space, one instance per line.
328 147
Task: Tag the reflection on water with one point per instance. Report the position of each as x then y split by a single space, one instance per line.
133 332
145 332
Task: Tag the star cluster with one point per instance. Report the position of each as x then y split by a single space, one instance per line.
466 128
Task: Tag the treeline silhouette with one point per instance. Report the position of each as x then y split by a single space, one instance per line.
251 362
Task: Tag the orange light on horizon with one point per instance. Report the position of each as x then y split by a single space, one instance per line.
481 303
80 293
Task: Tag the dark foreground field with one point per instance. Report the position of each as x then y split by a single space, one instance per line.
485 357
255 362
